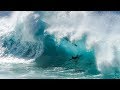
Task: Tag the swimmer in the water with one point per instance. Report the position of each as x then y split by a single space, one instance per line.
76 58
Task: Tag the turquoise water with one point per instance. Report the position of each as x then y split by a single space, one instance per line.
23 71
59 45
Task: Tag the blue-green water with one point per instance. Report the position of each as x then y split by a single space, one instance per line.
59 45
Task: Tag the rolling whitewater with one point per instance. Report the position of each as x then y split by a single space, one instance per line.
60 44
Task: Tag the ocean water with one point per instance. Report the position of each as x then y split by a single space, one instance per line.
59 44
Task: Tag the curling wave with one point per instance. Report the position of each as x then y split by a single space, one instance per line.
85 41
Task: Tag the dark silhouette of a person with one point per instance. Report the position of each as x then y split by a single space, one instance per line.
76 58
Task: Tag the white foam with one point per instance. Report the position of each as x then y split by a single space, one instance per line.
14 60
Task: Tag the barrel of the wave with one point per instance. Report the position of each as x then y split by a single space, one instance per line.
67 54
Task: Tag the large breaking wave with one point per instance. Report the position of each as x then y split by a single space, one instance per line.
52 38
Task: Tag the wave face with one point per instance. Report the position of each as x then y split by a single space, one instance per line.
55 38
